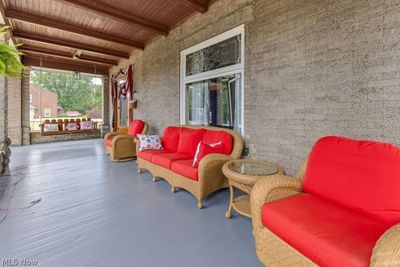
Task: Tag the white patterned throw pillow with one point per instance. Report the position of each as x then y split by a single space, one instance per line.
149 142
50 127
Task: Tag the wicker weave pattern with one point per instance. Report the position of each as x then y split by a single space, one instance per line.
123 145
273 251
387 250
210 175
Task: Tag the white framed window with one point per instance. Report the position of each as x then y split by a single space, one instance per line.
46 113
212 82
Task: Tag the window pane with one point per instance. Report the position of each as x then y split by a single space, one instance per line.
215 102
223 54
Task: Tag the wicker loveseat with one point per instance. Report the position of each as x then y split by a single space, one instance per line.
174 162
122 147
341 209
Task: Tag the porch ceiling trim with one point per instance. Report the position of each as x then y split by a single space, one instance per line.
70 44
33 49
121 15
62 64
39 20
197 5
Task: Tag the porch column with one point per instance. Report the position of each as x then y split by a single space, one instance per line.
5 142
25 107
106 105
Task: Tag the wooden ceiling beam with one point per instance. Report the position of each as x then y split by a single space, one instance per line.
39 20
197 5
121 15
69 44
6 21
62 64
44 51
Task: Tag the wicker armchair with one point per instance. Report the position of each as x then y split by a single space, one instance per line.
121 146
273 251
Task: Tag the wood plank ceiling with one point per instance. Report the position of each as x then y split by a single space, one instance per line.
91 35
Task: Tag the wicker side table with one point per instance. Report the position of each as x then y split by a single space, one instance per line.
243 174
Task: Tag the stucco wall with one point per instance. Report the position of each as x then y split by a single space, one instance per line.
312 68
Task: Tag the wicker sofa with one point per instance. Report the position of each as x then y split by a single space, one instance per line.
174 162
121 146
342 208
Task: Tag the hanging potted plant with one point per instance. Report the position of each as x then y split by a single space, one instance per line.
10 58
10 66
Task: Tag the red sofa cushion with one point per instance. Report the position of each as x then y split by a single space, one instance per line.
189 139
170 138
148 154
326 233
362 175
204 149
184 168
165 159
135 127
212 137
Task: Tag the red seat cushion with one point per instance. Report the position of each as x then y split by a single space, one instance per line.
326 233
109 141
189 139
212 137
135 127
362 175
166 159
170 139
148 154
184 168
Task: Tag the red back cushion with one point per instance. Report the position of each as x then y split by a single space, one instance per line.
189 139
212 137
170 139
204 149
362 175
135 127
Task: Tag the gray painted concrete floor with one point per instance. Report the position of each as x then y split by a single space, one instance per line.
93 212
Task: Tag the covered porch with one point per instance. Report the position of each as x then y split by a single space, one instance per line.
258 108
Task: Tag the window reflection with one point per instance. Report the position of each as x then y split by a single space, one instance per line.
215 102
223 54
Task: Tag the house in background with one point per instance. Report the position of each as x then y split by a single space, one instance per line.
43 102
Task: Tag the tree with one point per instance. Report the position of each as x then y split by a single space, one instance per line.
74 94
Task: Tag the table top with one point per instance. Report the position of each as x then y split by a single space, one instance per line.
254 168
246 171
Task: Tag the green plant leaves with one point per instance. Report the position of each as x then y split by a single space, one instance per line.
10 58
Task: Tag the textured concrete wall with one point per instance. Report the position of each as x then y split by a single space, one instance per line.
25 98
38 138
317 68
312 68
18 110
14 111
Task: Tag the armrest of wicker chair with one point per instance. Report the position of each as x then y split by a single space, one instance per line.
123 139
108 135
270 189
387 250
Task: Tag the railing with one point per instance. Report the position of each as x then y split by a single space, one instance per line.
35 123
